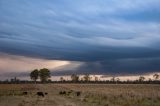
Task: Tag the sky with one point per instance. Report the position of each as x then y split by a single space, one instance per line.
117 37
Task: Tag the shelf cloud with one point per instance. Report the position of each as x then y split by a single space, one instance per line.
106 36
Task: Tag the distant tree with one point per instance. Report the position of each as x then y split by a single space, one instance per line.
11 80
149 79
141 78
87 77
74 78
82 79
128 80
156 76
14 80
117 79
113 79
49 80
96 78
62 79
44 74
34 75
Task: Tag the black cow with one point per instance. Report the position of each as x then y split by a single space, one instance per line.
40 94
69 92
78 93
24 93
62 92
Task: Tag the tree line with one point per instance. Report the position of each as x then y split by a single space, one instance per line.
87 78
43 76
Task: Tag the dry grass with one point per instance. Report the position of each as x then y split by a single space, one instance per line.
91 95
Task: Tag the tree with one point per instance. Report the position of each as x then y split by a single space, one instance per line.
44 74
74 78
87 77
34 75
141 78
62 79
149 79
118 79
95 78
156 76
82 79
113 79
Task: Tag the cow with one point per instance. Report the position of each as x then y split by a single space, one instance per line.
78 93
69 92
24 93
40 94
46 93
62 92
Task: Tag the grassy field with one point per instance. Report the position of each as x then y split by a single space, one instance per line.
90 95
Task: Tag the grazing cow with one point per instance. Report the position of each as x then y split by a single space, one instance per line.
24 93
78 93
40 94
69 92
62 92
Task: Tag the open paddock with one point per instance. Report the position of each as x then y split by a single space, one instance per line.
79 95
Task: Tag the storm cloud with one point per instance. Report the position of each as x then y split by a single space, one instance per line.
107 36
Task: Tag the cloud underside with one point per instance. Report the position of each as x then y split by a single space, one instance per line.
116 37
12 65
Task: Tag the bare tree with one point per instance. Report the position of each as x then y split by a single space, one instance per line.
117 79
96 78
141 78
156 76
87 77
149 79
74 78
113 79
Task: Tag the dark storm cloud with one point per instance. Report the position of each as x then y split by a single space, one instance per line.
115 67
123 66
98 33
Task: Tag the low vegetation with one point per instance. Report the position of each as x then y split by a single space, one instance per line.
79 95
